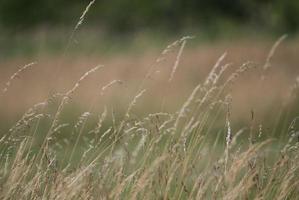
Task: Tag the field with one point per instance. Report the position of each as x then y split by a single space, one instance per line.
191 120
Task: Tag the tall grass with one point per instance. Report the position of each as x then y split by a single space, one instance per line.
163 155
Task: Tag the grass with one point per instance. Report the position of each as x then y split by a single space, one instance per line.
114 150
194 152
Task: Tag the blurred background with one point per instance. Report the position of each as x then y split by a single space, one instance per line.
129 16
128 36
30 26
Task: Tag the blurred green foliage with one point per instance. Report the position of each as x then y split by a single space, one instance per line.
131 15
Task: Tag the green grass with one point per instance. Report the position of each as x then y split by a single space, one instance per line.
196 152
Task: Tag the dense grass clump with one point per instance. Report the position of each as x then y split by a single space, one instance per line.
192 153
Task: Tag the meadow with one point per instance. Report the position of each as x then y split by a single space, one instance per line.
90 118
204 121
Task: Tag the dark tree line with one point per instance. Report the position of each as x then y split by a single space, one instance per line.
125 15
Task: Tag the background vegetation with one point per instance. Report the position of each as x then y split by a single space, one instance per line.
127 16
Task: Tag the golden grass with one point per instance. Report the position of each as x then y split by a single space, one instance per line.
194 151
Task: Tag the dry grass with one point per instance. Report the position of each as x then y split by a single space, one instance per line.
192 151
